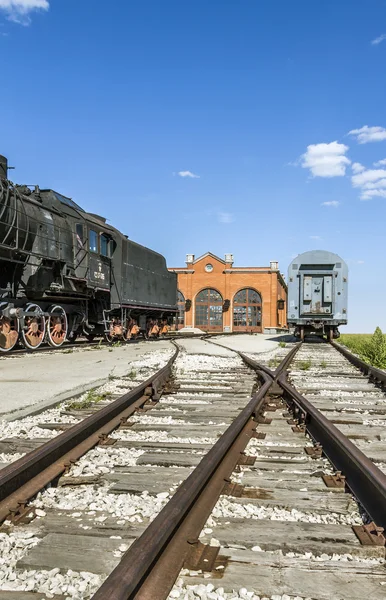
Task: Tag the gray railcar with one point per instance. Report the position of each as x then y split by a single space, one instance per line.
317 293
64 271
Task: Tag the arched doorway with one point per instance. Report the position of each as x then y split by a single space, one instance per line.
181 309
247 311
209 310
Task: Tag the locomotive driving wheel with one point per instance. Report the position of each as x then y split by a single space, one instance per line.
32 335
9 331
57 326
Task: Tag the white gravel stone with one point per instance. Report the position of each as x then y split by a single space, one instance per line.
103 459
127 507
227 508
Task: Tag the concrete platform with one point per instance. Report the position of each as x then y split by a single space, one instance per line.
31 383
257 343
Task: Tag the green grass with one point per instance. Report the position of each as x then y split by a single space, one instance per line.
370 348
305 365
92 397
282 344
132 375
273 362
323 364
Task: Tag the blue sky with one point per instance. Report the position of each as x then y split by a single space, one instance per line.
117 104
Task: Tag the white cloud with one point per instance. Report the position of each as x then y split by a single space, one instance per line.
380 163
19 10
379 39
360 262
188 174
372 183
333 203
367 176
326 160
367 134
315 237
225 217
357 167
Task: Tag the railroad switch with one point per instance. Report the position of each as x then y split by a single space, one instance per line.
275 390
370 534
202 557
337 480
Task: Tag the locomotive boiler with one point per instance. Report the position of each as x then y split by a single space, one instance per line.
317 294
65 272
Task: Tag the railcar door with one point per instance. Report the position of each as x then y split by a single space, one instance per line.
317 294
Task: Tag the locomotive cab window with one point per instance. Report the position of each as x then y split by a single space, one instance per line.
93 241
105 245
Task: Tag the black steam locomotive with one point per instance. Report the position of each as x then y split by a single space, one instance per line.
65 272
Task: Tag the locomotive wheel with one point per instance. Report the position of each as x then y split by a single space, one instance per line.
9 331
33 334
57 326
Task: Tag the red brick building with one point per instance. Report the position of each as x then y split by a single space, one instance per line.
213 295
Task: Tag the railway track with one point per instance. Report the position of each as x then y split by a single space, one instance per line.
212 488
80 344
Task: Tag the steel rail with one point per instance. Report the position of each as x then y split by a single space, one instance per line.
24 478
373 373
365 480
152 563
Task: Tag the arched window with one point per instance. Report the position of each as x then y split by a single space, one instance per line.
247 310
209 310
181 308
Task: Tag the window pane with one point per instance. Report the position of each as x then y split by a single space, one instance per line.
105 245
79 233
239 316
180 296
214 296
202 296
215 316
202 314
241 297
254 297
93 241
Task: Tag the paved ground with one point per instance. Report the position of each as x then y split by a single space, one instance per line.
253 344
32 382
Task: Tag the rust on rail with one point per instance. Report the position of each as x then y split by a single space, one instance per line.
24 478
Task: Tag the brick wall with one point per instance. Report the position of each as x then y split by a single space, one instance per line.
228 280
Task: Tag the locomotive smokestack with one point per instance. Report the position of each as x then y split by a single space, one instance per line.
3 167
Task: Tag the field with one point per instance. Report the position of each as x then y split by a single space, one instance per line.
369 347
